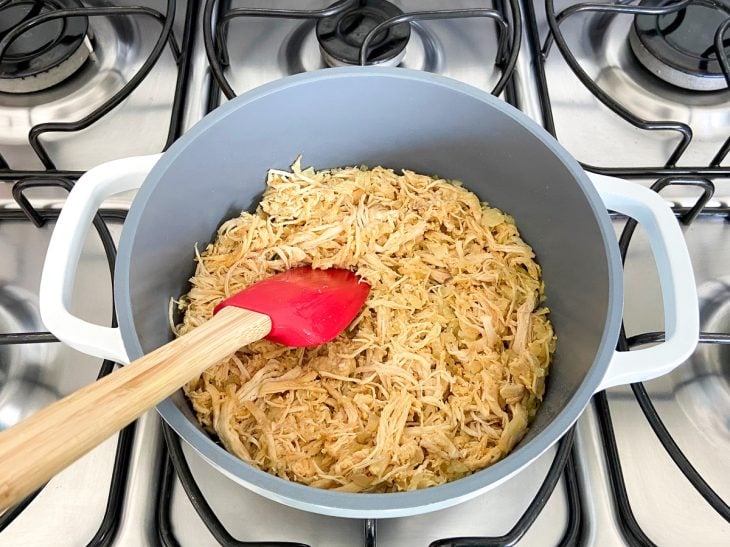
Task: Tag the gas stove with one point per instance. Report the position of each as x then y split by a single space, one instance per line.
639 90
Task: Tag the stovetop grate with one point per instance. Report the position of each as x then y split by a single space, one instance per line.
563 465
113 512
667 175
166 37
670 168
506 15
51 177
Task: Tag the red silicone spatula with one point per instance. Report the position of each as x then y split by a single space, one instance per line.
299 307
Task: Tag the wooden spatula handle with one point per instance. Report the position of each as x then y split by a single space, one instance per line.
34 450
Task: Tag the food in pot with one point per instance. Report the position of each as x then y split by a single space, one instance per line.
439 375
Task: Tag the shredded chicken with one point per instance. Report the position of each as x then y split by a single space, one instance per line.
438 376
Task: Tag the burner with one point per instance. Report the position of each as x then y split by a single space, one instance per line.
340 36
46 54
679 47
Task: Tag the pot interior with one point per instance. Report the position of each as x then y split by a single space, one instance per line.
398 119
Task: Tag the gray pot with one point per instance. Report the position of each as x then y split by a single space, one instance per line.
401 119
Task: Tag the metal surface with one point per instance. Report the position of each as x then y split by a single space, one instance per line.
660 504
597 136
52 371
463 49
95 500
137 525
250 517
693 402
84 485
138 126
26 374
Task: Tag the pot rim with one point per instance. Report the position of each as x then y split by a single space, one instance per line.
385 505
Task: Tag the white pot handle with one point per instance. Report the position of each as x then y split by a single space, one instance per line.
681 310
64 251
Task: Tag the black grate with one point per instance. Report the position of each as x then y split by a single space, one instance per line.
670 168
112 514
165 38
51 177
562 466
175 459
665 175
506 15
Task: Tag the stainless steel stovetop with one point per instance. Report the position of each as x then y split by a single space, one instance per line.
610 483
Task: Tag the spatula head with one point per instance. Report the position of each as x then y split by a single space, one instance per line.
307 307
